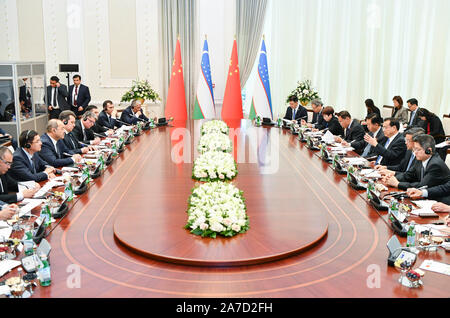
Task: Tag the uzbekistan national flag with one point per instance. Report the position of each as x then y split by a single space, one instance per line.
204 107
262 100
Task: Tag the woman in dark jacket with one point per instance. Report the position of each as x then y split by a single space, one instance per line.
432 125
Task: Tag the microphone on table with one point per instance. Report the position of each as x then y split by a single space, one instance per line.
122 122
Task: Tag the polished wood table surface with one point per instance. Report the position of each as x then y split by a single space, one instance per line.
87 260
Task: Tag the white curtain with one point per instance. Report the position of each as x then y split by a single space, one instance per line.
358 49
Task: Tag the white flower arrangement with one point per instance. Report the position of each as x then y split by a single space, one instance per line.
215 142
140 90
214 126
217 208
304 92
214 166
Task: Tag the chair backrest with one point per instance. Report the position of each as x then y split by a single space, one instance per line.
446 124
387 111
310 114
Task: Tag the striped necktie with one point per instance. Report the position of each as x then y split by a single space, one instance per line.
411 159
380 157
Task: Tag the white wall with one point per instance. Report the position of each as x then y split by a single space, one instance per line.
110 55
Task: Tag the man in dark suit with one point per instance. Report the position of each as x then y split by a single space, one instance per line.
56 95
331 123
82 130
131 114
353 132
373 122
429 169
408 160
107 117
392 151
317 120
414 120
79 96
8 184
70 141
295 111
97 128
439 193
27 164
53 150
25 97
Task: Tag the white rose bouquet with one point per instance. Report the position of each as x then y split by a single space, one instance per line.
217 208
215 142
214 166
304 92
214 126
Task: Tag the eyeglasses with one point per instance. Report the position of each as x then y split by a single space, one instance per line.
6 162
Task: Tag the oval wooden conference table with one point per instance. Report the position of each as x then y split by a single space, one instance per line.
310 234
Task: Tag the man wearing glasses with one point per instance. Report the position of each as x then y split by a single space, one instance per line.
82 130
27 164
8 184
429 170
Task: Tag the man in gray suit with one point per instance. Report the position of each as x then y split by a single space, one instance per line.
56 97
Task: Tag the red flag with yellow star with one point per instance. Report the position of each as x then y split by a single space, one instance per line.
232 100
176 98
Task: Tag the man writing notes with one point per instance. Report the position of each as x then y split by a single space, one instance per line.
373 122
295 112
317 119
82 130
430 170
27 164
79 96
392 151
56 97
54 151
68 119
331 123
133 113
408 160
353 131
8 184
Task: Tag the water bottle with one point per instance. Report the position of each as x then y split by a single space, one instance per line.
393 209
68 190
370 187
411 236
44 272
28 242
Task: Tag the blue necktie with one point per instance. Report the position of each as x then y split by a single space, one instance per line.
413 114
293 114
385 146
367 149
411 159
32 166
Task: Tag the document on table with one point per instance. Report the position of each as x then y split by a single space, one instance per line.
47 187
436 230
30 205
328 137
356 160
7 265
434 266
424 208
23 185
5 231
372 173
442 145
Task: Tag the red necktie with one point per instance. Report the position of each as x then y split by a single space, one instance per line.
76 96
428 129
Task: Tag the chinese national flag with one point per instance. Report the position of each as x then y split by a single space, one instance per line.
176 98
232 101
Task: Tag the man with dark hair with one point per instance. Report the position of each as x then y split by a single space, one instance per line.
107 117
353 135
27 164
82 130
9 184
295 112
97 128
408 160
392 151
53 150
374 123
414 120
133 113
68 119
429 169
79 96
317 119
56 97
